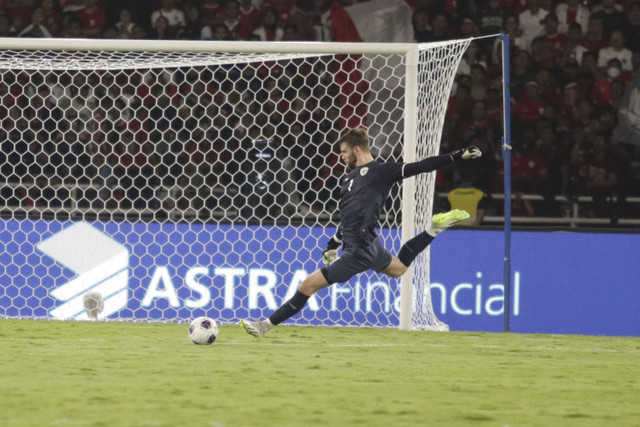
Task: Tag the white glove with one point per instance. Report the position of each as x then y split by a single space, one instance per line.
329 255
471 153
466 154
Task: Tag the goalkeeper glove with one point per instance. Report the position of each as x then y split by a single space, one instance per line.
470 152
331 253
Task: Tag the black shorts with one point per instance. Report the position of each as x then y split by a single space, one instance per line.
356 258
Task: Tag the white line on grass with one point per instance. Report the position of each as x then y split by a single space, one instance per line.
531 348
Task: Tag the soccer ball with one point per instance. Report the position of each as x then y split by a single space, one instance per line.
203 330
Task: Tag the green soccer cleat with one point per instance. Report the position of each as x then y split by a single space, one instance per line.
442 221
257 329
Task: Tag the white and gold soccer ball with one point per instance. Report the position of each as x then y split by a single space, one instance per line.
203 330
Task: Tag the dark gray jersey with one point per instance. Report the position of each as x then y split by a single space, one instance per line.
364 190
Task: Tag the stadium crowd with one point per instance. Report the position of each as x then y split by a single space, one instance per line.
571 62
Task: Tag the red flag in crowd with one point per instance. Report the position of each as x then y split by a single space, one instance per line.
353 88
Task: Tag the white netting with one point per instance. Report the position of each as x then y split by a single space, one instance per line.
181 184
437 63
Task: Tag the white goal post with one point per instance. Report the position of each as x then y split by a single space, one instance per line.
187 178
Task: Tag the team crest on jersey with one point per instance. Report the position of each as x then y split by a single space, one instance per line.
364 171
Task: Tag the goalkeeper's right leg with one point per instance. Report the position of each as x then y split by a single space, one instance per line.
442 221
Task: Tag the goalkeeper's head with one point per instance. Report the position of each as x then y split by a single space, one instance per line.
354 148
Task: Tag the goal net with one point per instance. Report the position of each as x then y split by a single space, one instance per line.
176 179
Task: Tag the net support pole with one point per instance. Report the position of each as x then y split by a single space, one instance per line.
506 157
408 187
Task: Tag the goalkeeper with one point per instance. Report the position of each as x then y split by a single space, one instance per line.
363 192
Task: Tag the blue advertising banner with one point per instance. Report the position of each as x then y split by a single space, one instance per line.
578 283
568 283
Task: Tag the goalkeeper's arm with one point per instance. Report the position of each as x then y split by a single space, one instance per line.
330 254
432 163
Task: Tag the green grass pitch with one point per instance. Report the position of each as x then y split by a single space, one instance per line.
139 374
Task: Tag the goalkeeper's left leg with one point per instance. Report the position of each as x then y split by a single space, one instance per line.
440 222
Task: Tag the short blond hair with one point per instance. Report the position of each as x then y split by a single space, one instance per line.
356 137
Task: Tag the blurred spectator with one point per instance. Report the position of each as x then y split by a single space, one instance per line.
573 48
440 28
174 16
593 171
21 13
478 82
633 185
467 197
484 168
269 31
52 15
521 73
210 10
491 16
284 8
517 41
138 33
93 18
549 61
528 168
552 37
421 26
473 55
632 27
125 25
589 72
531 19
476 124
555 155
570 70
469 29
612 18
36 28
193 27
550 90
6 27
571 11
535 50
110 32
568 108
460 105
231 18
161 29
600 94
72 29
320 19
583 113
530 106
617 51
221 32
250 17
595 40
616 92
290 33
606 114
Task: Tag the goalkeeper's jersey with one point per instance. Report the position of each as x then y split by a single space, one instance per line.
364 190
362 193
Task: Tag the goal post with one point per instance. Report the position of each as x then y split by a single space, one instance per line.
187 178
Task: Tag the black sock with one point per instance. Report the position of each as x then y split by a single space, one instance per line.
410 250
289 308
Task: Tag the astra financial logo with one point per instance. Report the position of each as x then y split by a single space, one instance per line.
101 265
